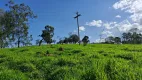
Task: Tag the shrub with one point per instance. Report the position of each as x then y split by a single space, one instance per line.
125 56
38 53
2 56
76 51
61 49
83 54
51 46
23 50
47 52
63 62
2 60
101 51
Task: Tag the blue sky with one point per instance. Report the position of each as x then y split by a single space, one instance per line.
60 13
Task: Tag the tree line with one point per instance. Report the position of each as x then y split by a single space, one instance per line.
73 39
14 26
133 36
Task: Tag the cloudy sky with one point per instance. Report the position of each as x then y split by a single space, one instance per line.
99 17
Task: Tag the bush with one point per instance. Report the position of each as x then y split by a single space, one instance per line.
47 52
84 44
61 49
38 53
23 50
2 56
63 62
125 56
101 51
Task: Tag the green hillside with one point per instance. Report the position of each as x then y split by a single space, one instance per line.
72 62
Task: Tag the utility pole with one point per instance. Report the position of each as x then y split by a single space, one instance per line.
76 17
101 35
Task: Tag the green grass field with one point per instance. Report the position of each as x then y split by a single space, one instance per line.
72 62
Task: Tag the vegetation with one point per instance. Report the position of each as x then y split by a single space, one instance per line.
47 35
64 62
14 25
72 62
72 39
85 40
133 36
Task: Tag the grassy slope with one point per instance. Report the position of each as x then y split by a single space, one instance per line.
96 61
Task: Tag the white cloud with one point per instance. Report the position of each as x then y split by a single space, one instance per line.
125 26
97 23
133 20
82 28
100 23
99 40
109 25
118 16
107 33
134 7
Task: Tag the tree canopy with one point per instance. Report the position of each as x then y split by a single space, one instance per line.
47 34
14 24
85 40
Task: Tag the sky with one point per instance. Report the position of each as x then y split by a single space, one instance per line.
100 18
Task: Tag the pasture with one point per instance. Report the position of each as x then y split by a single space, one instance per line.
72 62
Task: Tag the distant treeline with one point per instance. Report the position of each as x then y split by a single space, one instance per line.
133 36
14 26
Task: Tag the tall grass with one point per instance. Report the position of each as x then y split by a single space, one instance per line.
72 62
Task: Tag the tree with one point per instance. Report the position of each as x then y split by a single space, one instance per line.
109 39
47 34
74 38
27 41
2 36
37 42
85 40
5 28
54 41
117 40
20 14
66 40
1 12
60 42
132 37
